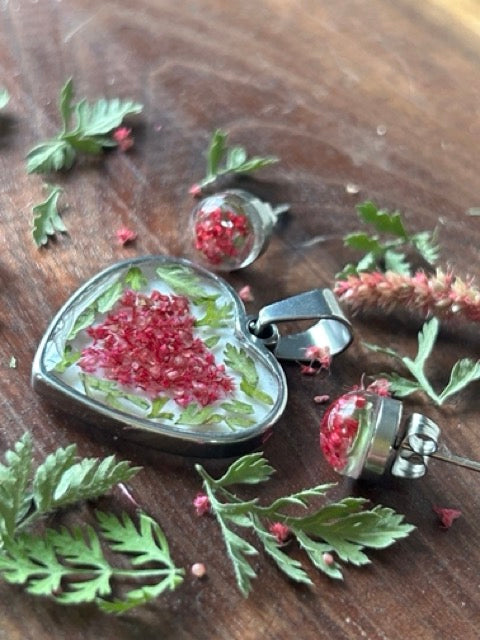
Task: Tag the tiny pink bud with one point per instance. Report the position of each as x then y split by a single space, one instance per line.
447 516
245 294
280 531
328 559
381 387
201 504
313 352
307 370
123 138
318 354
198 570
195 190
124 235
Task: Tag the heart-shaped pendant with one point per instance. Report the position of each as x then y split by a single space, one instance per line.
162 350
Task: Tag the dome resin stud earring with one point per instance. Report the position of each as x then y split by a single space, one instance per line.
362 435
230 229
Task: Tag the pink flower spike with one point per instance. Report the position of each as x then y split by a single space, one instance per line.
280 531
124 235
245 294
444 295
201 504
123 138
447 516
195 190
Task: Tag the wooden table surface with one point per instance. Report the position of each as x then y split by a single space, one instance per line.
311 82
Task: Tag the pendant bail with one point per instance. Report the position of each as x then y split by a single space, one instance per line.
332 331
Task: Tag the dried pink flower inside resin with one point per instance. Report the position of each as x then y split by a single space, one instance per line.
339 428
222 234
147 343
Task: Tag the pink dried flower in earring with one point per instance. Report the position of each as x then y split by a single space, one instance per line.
443 294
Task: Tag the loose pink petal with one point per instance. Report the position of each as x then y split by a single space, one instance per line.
123 138
307 370
321 399
447 516
124 235
320 355
245 294
381 387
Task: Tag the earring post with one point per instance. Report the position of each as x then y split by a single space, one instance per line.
444 454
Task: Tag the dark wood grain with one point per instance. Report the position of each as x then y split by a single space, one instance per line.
309 81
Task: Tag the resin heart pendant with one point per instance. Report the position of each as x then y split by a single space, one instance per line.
162 351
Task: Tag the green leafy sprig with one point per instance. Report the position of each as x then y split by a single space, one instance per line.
343 527
386 251
223 160
4 97
46 219
462 374
60 481
89 134
70 565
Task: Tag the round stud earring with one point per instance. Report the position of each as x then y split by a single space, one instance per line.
230 229
362 435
